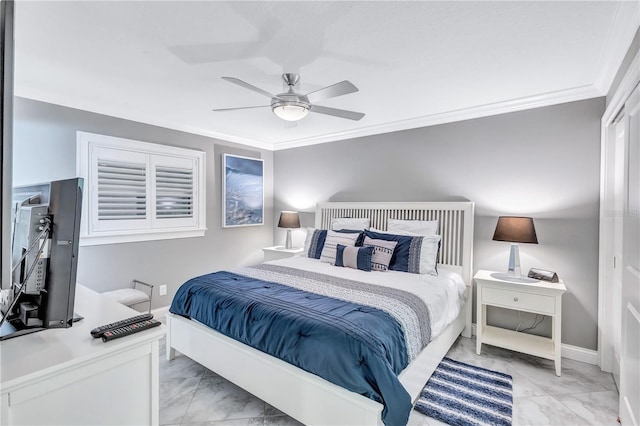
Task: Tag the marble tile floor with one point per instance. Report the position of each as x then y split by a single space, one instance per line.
191 395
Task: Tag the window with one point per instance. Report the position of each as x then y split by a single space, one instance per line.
138 191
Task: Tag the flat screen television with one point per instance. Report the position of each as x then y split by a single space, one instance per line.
6 134
44 248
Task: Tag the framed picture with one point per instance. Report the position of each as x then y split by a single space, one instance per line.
242 191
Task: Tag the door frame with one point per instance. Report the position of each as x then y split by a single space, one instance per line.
605 263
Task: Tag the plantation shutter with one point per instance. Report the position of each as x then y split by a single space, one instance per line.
175 191
139 191
122 190
119 196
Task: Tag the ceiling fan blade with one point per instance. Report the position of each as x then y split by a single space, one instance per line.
233 109
343 88
249 86
342 113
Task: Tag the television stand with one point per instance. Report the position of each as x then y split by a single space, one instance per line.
64 376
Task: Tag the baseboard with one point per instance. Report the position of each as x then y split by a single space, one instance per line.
581 354
575 353
159 313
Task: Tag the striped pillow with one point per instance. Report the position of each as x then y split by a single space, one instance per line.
354 257
331 242
382 252
314 242
416 254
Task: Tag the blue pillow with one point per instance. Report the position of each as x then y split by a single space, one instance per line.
316 243
354 257
408 252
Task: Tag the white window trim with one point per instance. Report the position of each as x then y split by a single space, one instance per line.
84 143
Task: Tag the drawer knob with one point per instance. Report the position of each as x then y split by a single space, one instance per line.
515 299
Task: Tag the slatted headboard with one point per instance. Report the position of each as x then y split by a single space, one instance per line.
455 225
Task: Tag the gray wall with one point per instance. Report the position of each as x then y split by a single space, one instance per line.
543 163
45 149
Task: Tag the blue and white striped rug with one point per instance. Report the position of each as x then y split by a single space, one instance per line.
460 394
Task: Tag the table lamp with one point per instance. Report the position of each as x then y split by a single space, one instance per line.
289 220
515 230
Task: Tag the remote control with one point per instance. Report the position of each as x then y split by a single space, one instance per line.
129 329
99 331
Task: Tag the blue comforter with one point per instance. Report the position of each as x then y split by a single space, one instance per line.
357 347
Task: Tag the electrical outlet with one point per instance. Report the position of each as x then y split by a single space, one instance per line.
163 290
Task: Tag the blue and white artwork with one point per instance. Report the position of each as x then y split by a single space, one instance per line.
243 191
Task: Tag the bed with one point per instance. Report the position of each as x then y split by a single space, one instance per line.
306 396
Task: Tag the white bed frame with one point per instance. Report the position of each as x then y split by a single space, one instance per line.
305 396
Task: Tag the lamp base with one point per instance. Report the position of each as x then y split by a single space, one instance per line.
513 272
514 262
288 244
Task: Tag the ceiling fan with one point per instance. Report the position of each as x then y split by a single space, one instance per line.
292 106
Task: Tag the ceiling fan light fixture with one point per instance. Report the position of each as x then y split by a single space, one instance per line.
293 106
291 110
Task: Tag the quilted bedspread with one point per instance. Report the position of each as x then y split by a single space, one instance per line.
354 345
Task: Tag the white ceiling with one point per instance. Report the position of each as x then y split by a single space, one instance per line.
415 63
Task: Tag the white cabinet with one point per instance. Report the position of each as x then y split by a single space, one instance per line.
279 252
539 297
65 377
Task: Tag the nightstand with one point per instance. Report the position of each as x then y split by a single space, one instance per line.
538 297
279 252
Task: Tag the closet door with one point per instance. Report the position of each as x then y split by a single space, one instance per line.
630 301
619 176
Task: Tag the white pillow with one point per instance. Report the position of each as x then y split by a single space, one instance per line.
420 227
331 243
429 254
358 224
400 232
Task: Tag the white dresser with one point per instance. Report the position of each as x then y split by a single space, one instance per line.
539 297
65 377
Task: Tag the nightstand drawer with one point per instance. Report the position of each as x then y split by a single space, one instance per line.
518 300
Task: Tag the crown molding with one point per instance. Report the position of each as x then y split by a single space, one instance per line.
623 29
513 105
68 102
623 91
